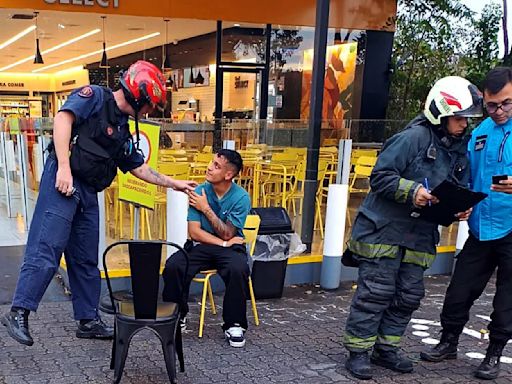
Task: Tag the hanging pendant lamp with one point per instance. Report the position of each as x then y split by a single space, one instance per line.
199 78
166 61
191 78
337 37
104 59
38 59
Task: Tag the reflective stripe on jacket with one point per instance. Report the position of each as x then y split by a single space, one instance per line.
384 222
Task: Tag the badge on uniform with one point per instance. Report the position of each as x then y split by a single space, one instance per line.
86 92
480 142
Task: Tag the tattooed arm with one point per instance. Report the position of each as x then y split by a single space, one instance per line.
225 231
148 174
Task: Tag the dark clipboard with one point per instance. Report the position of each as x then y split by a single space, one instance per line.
452 200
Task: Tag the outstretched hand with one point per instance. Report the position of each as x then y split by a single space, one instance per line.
184 185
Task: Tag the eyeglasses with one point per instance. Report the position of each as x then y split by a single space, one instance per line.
506 106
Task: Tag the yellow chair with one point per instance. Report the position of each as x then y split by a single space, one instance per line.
358 152
362 170
252 225
207 149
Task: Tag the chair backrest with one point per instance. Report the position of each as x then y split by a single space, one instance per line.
178 171
203 157
358 152
251 228
145 261
285 157
207 149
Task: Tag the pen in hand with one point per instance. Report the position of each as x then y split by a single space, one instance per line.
428 190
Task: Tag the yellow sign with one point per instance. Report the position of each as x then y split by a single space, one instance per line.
131 188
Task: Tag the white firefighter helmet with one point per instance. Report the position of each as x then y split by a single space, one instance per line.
453 96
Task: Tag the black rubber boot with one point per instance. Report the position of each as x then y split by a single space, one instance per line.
489 368
17 326
392 360
445 350
358 364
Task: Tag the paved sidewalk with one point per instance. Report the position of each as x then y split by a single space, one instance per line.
298 341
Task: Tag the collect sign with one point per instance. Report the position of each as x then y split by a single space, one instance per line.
131 188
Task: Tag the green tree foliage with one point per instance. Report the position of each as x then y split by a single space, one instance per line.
437 38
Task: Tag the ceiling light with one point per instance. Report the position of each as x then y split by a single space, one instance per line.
38 59
236 25
73 40
133 41
17 36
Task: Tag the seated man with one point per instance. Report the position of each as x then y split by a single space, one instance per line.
216 217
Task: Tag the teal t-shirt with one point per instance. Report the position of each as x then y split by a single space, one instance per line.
234 207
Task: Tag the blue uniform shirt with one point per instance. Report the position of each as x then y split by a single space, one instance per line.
490 153
234 207
85 103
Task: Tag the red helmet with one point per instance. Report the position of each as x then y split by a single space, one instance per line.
143 83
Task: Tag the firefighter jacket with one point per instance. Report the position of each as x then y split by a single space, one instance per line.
384 222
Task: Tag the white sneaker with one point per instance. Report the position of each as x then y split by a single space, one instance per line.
235 336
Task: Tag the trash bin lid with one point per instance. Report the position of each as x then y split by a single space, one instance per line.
273 220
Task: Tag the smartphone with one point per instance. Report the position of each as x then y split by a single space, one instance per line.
497 178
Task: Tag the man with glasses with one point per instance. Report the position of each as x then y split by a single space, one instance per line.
489 246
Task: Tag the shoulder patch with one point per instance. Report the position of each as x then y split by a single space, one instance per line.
86 92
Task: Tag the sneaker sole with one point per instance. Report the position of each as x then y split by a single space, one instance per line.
357 375
236 344
448 356
5 323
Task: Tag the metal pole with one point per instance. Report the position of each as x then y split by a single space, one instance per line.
219 90
136 221
315 120
6 175
344 155
22 156
265 75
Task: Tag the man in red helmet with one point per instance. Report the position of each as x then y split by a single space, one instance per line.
91 140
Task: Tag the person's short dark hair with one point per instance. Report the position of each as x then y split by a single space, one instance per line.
496 79
233 158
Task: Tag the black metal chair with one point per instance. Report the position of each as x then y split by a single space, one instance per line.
142 309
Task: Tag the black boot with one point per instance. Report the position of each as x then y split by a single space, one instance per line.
17 326
358 364
445 350
392 360
489 368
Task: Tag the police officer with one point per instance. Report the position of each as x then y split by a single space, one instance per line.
91 139
392 248
489 246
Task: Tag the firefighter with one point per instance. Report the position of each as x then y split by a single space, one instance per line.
91 140
391 248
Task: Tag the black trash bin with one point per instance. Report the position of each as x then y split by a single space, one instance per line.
274 236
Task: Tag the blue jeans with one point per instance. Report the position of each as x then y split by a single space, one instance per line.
68 225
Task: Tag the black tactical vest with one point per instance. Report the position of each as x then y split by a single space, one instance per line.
97 143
